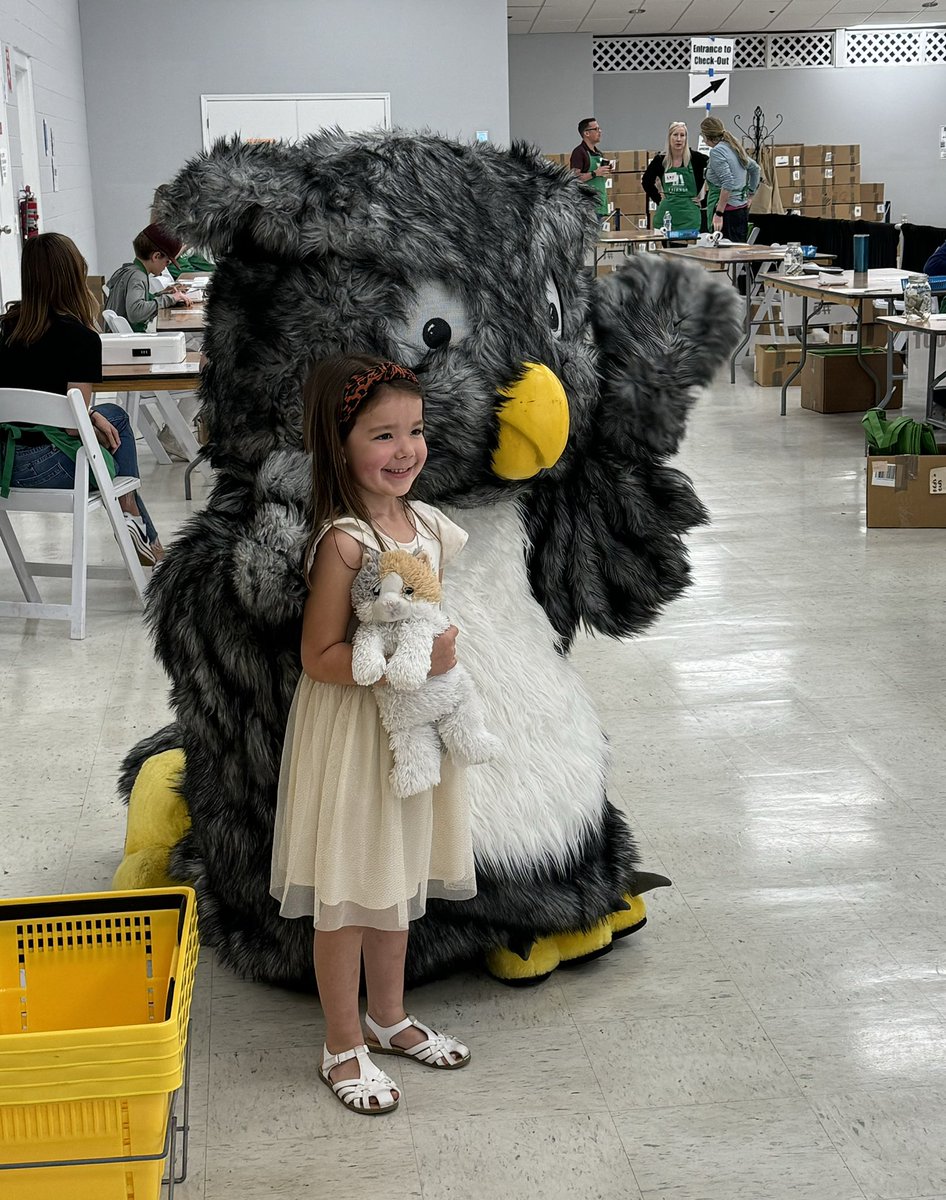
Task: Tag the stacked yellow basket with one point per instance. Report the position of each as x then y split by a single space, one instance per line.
95 995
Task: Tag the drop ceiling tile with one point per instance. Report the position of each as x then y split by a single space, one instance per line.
604 26
548 25
516 27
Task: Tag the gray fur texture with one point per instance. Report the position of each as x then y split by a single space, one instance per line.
355 243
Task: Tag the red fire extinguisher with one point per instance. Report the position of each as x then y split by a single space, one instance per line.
29 214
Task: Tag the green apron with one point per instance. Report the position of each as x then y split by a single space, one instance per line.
63 441
599 183
679 189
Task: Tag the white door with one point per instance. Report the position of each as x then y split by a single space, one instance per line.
290 117
9 221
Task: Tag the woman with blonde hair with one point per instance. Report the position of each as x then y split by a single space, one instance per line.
49 343
733 179
680 172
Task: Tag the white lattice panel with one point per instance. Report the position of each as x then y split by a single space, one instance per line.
753 52
883 47
801 50
750 52
935 48
641 54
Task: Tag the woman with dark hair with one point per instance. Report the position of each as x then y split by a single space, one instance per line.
49 343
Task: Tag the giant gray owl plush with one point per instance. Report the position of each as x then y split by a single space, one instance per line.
552 405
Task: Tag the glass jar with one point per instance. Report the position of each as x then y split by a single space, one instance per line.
794 260
917 299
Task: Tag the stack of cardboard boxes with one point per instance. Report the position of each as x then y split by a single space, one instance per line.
814 181
825 181
625 193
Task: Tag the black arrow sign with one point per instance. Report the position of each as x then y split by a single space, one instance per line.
715 85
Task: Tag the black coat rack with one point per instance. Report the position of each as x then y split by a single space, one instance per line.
758 134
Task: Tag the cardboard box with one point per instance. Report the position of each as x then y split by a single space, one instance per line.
906 491
870 193
812 156
774 362
632 160
833 381
788 155
847 212
844 193
843 173
806 197
872 334
841 154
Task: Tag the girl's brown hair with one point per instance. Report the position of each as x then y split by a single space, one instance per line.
715 131
334 493
53 283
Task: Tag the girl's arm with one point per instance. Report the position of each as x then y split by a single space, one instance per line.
326 655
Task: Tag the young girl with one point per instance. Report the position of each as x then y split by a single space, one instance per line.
346 849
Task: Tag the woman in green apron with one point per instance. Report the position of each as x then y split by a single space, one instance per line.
680 173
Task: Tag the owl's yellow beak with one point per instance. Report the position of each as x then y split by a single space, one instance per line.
533 424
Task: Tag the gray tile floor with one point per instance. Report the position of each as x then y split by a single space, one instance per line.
777 1031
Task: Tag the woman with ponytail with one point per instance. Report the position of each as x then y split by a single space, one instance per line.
733 178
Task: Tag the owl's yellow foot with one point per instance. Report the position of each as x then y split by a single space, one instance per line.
511 968
157 820
630 919
582 946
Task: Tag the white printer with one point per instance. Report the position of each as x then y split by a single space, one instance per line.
145 348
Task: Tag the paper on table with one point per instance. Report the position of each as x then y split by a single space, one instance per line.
182 368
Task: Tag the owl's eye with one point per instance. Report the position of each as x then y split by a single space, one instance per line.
436 321
377 589
436 333
408 591
553 309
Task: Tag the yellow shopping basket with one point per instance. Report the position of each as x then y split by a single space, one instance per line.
95 995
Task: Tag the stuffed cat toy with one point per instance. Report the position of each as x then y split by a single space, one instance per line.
396 597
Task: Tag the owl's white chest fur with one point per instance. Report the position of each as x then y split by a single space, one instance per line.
535 801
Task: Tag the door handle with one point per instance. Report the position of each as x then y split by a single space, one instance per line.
5 229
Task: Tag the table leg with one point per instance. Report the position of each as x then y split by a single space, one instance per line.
891 383
747 327
862 361
804 354
931 380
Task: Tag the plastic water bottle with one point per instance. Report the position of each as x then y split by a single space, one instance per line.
667 225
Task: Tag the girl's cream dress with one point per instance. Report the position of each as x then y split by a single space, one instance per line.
346 849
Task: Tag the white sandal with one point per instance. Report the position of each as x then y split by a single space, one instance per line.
357 1094
436 1052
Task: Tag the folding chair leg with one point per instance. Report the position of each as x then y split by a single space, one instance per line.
149 430
17 561
183 434
80 564
125 545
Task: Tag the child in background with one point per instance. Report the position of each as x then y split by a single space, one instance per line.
128 291
347 850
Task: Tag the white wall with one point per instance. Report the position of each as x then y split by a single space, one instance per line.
551 88
445 63
895 113
48 32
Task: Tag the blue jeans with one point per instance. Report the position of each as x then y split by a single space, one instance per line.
46 467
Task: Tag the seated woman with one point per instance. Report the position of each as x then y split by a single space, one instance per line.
49 343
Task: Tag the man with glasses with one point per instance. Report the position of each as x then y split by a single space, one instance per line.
588 164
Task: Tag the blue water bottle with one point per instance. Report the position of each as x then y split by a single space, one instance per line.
861 242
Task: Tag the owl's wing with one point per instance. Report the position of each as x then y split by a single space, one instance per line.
607 525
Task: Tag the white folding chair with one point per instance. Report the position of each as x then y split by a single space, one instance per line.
65 412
